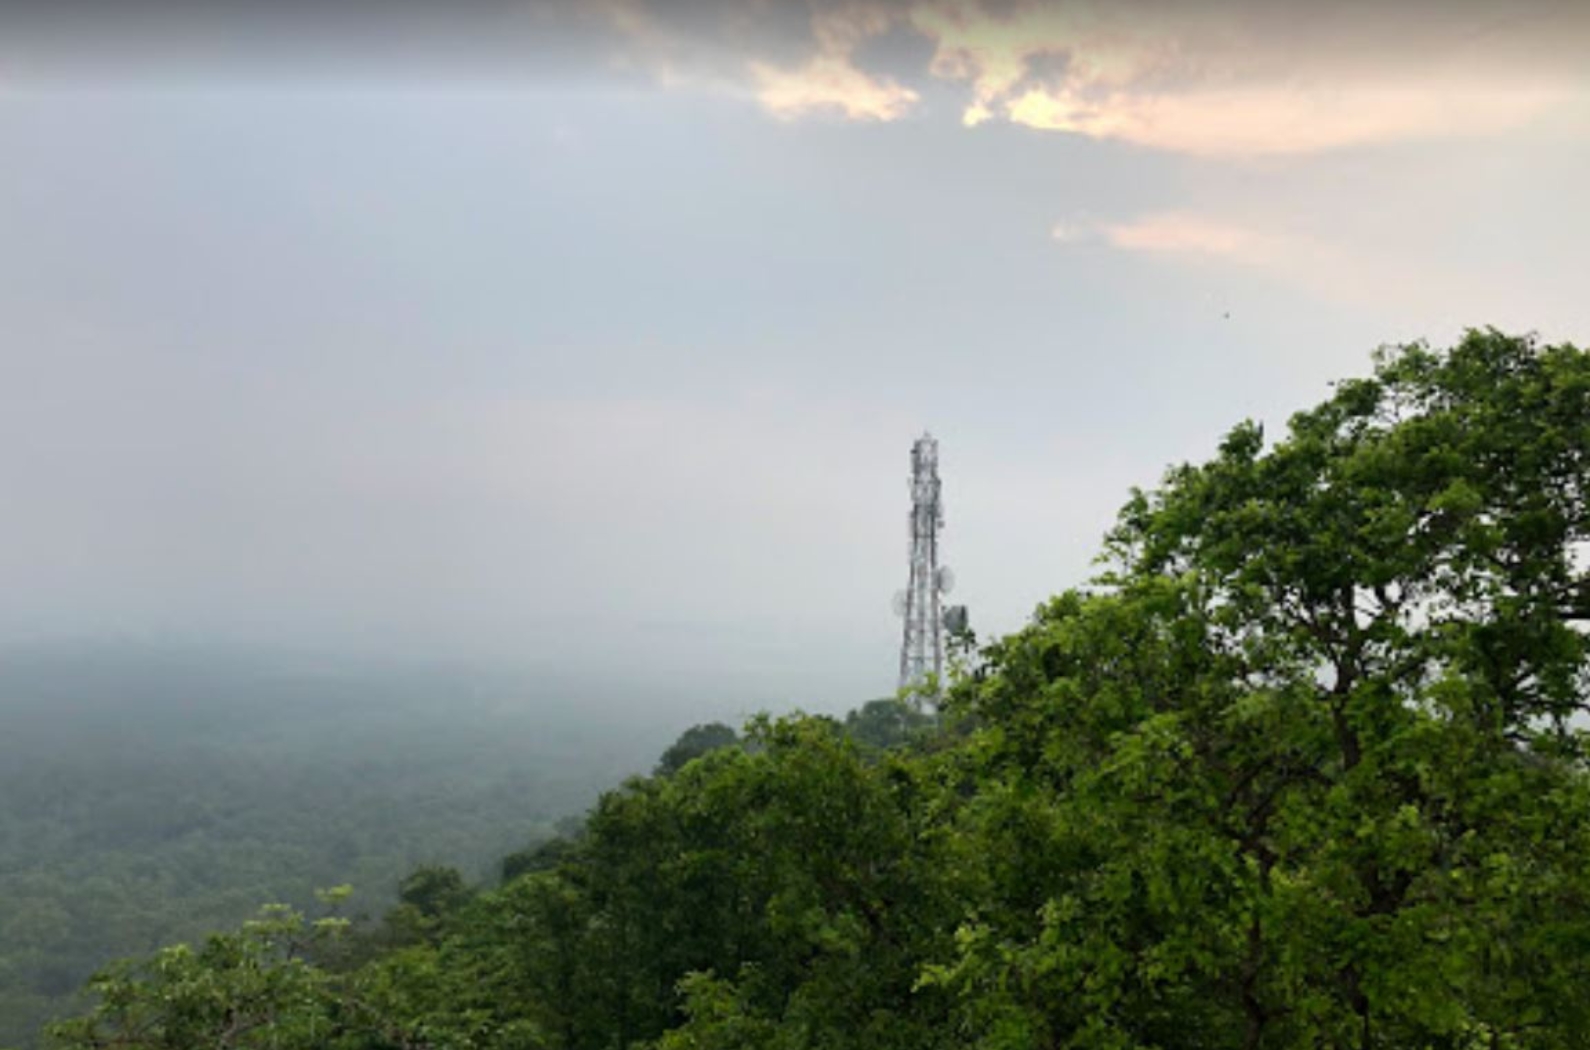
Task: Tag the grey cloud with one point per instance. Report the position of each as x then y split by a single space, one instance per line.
563 373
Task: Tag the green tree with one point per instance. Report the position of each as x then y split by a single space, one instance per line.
429 897
1304 769
889 722
1301 771
797 877
252 989
544 856
694 742
842 884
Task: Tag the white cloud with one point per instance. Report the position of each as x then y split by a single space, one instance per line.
1395 277
830 82
1174 233
1180 233
1226 82
1222 80
1272 119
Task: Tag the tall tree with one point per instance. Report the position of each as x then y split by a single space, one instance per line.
1302 770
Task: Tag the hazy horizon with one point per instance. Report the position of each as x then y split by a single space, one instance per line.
595 336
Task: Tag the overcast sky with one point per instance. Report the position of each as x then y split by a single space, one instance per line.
598 335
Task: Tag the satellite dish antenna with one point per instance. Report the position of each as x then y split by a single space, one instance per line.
945 580
899 603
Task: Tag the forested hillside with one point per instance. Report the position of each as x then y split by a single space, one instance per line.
1304 768
148 795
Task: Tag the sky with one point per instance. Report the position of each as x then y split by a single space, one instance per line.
596 335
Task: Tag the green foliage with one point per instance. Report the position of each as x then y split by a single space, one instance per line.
429 900
887 723
1304 769
693 743
790 869
254 988
1303 772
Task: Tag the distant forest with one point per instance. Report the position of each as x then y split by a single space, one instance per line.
150 795
1304 767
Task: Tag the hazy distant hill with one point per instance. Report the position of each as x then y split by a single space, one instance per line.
149 795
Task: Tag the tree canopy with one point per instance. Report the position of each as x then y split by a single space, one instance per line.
1303 768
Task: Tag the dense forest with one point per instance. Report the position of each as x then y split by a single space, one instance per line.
150 794
1303 767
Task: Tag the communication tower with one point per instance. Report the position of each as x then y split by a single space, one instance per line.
921 603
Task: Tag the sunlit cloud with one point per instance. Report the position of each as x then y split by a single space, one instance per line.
830 80
1180 233
1176 234
1318 265
1263 120
1391 276
1219 79
745 50
1273 119
1211 81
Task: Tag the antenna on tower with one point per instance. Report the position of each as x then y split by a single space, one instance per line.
921 603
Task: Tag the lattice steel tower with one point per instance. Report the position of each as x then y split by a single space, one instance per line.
921 605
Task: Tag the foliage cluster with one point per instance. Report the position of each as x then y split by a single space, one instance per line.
1304 769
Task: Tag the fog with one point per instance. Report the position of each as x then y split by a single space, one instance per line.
580 350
